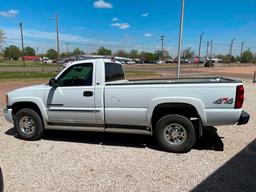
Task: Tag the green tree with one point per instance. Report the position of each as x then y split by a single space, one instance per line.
188 53
52 54
148 57
159 55
247 56
29 51
12 52
104 51
63 55
121 53
77 51
2 38
134 54
224 58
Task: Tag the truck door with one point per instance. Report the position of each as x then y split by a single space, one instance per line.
72 101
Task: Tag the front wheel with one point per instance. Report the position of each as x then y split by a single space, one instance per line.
28 124
175 133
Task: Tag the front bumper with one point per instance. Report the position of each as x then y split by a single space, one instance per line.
244 118
8 115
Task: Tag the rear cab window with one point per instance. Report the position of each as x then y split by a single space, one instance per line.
114 72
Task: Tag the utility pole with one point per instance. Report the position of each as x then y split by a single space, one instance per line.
162 40
199 50
242 50
36 50
211 53
230 51
180 37
58 40
67 44
22 44
207 50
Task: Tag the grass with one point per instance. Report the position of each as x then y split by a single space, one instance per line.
26 75
48 75
4 63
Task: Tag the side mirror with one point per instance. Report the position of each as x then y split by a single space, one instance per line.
53 82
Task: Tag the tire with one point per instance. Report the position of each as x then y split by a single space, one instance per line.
175 133
1 181
28 124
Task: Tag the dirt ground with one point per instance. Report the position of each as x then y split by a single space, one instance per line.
223 160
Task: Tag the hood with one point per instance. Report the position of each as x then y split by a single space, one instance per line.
29 88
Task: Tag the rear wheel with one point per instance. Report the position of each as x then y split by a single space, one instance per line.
175 133
28 124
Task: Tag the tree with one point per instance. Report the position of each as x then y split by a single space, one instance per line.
247 56
12 52
104 51
29 51
2 38
134 54
63 55
148 57
224 58
52 54
188 53
121 53
159 55
77 51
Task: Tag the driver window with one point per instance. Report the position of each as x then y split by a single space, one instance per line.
77 75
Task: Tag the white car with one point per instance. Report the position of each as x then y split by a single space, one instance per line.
131 62
160 62
48 61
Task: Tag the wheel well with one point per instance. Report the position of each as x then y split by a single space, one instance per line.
184 109
21 105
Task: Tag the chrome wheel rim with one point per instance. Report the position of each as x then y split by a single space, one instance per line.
27 125
175 134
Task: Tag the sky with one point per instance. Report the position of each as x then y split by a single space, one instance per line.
130 24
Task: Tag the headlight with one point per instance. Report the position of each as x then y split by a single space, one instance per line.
6 100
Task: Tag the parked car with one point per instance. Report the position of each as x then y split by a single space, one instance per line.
93 95
48 61
131 62
169 61
209 63
160 62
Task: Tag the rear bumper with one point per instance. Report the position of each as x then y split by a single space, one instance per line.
244 118
8 115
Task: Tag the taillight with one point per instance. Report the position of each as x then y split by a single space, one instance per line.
239 96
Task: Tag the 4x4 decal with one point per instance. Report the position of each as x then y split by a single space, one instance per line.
224 100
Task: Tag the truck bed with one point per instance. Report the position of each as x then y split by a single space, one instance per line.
197 80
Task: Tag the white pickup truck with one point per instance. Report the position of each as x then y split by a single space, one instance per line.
93 95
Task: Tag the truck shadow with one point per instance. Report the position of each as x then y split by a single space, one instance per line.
238 174
210 141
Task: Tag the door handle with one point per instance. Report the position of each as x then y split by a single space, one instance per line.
88 93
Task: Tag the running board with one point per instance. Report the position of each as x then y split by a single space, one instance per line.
129 131
99 129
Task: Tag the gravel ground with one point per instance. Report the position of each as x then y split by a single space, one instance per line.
75 161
